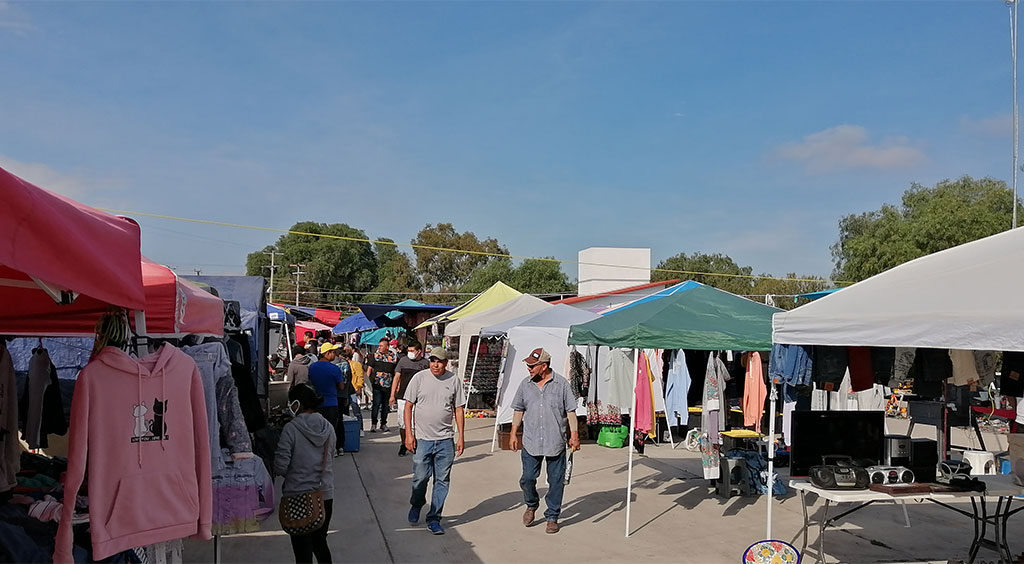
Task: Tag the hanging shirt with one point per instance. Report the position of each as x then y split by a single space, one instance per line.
678 385
644 400
754 393
964 370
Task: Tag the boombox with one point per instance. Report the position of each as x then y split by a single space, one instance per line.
890 475
842 475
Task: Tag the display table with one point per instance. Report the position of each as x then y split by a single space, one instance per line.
1000 488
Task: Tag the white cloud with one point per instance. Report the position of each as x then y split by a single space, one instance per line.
14 19
46 177
999 125
848 147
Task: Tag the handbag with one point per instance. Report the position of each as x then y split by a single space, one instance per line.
304 513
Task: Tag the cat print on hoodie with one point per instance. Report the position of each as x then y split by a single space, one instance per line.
154 429
156 425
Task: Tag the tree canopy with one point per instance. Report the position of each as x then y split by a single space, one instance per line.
446 270
532 276
929 219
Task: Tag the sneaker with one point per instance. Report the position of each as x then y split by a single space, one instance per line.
383 428
373 429
414 515
435 528
362 433
340 453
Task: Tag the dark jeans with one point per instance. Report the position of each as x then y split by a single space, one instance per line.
333 416
556 485
380 406
432 458
305 546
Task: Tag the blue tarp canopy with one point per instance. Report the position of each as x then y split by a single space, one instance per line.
815 295
354 323
373 311
275 313
373 337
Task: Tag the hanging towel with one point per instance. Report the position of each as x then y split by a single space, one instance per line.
754 393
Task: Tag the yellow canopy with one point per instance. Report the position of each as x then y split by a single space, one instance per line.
497 294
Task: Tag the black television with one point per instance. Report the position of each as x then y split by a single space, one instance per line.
814 434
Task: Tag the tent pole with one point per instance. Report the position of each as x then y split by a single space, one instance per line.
629 439
773 398
472 373
494 438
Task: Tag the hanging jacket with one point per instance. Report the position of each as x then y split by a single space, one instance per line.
10 449
139 428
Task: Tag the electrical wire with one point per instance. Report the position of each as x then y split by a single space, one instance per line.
462 251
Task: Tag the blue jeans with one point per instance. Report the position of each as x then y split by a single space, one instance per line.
379 406
556 485
432 458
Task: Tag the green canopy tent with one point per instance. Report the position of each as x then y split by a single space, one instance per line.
688 316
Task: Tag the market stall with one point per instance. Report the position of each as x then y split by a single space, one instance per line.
547 329
497 294
687 316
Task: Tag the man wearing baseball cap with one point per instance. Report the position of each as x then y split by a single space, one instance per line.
433 400
329 382
544 404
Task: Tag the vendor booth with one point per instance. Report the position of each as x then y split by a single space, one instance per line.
688 316
497 294
547 329
966 299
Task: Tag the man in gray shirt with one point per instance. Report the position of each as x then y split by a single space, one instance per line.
433 400
545 403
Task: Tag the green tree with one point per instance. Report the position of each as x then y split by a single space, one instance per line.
446 270
691 265
395 273
928 220
535 276
332 263
787 286
497 270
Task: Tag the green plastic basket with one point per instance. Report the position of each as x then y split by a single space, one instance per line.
612 436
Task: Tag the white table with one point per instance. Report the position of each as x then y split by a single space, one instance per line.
1001 488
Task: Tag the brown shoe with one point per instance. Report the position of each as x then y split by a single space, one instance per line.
528 516
552 527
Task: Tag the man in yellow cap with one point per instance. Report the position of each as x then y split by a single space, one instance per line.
544 404
329 382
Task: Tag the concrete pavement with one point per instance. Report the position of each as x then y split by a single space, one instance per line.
676 517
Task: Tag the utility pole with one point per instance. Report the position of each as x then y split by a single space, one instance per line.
273 270
298 272
1016 119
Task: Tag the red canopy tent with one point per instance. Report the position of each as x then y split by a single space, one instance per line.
175 306
62 263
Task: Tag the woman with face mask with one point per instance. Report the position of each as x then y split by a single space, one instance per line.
303 459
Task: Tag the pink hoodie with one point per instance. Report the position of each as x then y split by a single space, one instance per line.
139 428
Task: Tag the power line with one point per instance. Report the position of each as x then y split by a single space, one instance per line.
462 251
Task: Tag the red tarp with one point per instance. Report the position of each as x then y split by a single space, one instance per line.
175 306
70 246
327 316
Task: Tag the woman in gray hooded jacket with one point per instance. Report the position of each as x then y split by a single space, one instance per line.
301 459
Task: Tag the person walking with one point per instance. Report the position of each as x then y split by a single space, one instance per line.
303 458
407 367
381 374
329 382
433 399
543 404
355 384
298 368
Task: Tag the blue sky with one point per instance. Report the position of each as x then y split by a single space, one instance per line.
734 127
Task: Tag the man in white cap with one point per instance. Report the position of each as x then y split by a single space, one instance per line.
433 400
546 404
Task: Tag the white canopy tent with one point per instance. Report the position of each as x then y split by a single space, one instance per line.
547 329
468 327
966 297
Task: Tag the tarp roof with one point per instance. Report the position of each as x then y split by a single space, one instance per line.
279 314
176 307
497 294
69 246
699 317
965 297
373 311
353 323
248 291
469 326
559 315
629 290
